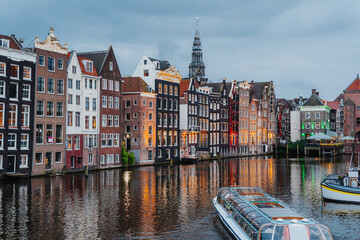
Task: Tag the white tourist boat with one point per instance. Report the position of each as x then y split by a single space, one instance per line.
250 213
343 188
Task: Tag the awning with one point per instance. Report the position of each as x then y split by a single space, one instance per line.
320 136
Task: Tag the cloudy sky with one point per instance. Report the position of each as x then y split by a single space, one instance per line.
299 44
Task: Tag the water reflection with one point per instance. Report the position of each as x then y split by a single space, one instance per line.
161 201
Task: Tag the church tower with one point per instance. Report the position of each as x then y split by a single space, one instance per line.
197 66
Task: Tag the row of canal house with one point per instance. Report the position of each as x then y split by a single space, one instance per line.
58 109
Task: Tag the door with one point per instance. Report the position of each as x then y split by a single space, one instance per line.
11 163
48 160
128 143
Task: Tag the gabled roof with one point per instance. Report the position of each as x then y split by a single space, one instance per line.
98 58
349 102
313 100
13 42
340 97
333 104
184 85
134 84
219 86
163 64
355 85
93 73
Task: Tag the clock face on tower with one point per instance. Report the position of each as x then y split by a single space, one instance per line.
198 70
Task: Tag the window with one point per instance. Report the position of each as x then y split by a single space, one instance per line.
89 66
135 127
307 115
104 101
59 134
176 91
128 129
116 121
317 125
41 61
159 88
39 133
117 158
49 134
94 122
110 66
13 91
150 116
317 115
127 104
77 119
25 116
2 69
70 99
70 119
87 103
94 104
41 84
77 83
103 140
116 102
110 102
51 64
2 117
151 104
175 138
2 89
110 120
128 116
27 73
307 125
58 158
12 115
87 122
104 120
102 159
135 102
73 69
12 141
135 115
60 86
117 86
50 109
146 73
110 140
70 83
111 85
90 83
165 89
60 64
145 61
59 109
104 84
23 161
76 142
26 92
24 143
77 99
150 130
14 71
38 158
85 82
68 142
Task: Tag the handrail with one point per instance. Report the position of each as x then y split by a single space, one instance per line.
251 205
239 214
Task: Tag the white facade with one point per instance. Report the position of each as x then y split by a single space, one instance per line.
83 99
295 125
148 71
184 119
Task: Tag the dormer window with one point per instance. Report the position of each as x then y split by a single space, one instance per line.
4 43
88 66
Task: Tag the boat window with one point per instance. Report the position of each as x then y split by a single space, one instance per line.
266 232
281 232
246 210
240 206
251 216
259 221
332 181
318 232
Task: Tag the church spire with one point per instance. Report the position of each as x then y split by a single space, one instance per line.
197 66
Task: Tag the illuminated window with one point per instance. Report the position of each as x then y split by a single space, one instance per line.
14 71
26 73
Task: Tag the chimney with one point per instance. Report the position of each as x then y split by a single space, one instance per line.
301 100
224 80
313 91
317 93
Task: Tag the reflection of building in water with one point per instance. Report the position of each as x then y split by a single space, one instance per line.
47 208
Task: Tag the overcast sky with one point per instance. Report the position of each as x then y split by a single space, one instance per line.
299 45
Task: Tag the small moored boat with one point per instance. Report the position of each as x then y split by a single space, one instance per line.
189 159
250 213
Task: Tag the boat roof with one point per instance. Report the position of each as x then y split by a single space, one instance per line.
274 210
332 176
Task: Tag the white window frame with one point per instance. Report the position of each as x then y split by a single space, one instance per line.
16 115
104 120
26 160
104 83
18 71
2 69
104 102
1 161
111 85
3 89
27 90
2 141
102 159
117 86
26 116
29 68
17 91
26 141
12 148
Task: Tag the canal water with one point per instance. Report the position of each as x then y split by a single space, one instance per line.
163 202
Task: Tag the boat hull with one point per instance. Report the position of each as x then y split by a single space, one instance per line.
229 223
340 193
